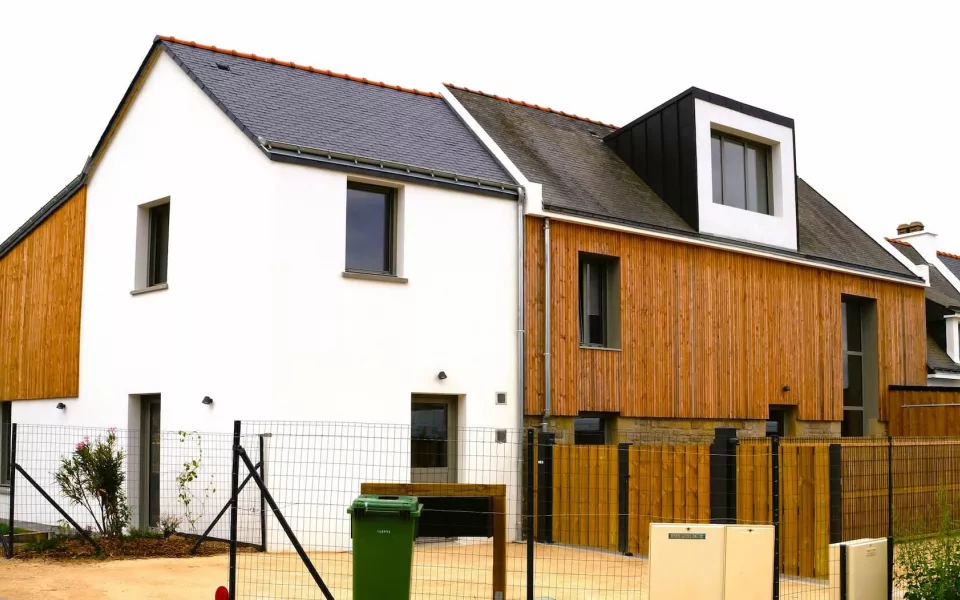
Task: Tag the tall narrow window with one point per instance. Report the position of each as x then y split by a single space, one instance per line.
852 339
740 173
158 244
371 218
599 301
5 442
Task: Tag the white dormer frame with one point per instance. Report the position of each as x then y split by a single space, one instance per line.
778 229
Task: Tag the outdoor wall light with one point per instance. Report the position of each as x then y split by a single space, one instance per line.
61 406
786 388
207 400
441 375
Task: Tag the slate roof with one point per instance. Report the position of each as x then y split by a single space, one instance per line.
582 176
940 291
951 261
938 359
301 106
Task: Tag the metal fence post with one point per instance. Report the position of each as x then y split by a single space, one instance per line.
531 469
775 492
13 485
545 443
263 505
234 492
623 496
890 518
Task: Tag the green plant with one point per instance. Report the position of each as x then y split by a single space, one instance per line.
93 477
145 533
929 568
194 502
168 525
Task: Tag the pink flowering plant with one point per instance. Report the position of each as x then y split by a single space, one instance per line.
93 477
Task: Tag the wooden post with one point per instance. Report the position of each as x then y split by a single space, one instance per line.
499 547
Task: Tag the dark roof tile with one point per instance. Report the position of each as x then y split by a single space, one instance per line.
938 359
941 290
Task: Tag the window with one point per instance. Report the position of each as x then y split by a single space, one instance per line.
589 431
777 422
158 244
599 301
5 421
740 173
371 223
852 339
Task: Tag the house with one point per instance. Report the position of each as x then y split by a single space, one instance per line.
942 271
680 276
260 240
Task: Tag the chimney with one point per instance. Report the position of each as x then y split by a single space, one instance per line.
914 227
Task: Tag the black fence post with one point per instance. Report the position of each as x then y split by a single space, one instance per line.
13 485
263 506
775 500
234 492
530 507
545 487
836 493
623 492
890 518
723 476
843 572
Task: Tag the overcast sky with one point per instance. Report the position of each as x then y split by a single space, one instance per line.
873 91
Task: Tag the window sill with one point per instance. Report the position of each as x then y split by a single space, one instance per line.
582 347
373 277
147 290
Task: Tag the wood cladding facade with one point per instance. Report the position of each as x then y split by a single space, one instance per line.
41 282
925 412
707 333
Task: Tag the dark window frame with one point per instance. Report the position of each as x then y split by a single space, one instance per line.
850 306
390 228
757 146
5 435
592 270
158 251
592 438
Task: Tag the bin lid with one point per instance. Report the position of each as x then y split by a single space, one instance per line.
373 503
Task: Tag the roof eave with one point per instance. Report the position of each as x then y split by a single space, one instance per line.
41 215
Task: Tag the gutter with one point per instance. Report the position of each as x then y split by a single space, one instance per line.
281 150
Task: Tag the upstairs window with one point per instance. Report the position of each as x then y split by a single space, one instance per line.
158 244
599 301
371 225
741 173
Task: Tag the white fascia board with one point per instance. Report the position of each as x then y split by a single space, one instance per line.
947 273
484 137
729 248
944 375
894 252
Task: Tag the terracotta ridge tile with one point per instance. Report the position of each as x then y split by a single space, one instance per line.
529 105
294 65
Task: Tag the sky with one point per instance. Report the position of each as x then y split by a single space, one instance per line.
872 90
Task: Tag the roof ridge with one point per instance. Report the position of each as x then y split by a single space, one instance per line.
896 241
948 254
294 65
529 105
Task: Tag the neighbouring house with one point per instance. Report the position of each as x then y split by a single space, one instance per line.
680 276
254 239
942 272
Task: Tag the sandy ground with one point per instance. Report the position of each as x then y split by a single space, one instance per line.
440 571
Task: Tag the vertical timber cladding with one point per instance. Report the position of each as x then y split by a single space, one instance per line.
41 282
707 333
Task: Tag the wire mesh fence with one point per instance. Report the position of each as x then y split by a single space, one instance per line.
511 512
112 481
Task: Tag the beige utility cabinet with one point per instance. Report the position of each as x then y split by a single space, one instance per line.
711 562
866 569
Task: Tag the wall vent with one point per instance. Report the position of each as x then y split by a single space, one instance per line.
501 397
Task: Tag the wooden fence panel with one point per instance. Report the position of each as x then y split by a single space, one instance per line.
585 496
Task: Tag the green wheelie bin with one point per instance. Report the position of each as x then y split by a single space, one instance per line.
383 530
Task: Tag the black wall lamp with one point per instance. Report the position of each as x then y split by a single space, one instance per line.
441 375
61 406
207 400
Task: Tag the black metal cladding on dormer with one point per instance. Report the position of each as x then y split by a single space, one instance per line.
661 147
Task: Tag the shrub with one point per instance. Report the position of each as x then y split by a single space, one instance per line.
146 533
168 525
929 568
93 477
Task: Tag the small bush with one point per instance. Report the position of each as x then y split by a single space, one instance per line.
168 525
93 477
929 569
145 533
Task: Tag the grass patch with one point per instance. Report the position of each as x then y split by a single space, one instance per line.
145 533
5 529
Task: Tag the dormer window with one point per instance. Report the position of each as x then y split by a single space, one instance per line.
741 173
